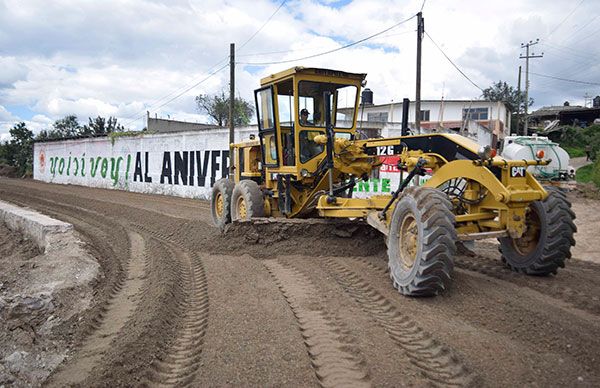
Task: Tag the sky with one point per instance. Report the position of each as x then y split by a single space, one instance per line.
123 58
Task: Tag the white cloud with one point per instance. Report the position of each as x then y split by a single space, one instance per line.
123 58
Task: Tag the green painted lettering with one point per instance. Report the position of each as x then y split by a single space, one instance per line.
385 185
95 165
128 166
363 186
61 166
69 166
83 164
375 183
104 168
114 169
76 166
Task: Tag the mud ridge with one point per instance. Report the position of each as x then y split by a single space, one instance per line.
334 365
182 360
98 230
437 362
116 313
547 286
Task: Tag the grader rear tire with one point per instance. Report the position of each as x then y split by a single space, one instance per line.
247 201
546 244
220 202
422 242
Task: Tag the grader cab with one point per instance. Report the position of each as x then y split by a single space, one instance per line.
308 158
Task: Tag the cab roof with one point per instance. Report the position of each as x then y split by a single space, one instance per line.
310 70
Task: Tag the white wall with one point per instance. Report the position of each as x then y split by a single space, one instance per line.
453 111
144 163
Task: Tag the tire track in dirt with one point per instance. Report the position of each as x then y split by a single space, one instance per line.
116 313
99 230
437 362
547 286
179 366
334 360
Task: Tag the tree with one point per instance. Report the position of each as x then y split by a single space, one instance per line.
501 91
21 148
217 107
101 126
68 126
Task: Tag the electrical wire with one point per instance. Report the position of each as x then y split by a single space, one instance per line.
453 64
187 88
565 79
329 51
261 27
183 92
565 19
312 48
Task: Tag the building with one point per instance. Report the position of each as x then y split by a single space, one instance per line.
564 115
484 121
157 125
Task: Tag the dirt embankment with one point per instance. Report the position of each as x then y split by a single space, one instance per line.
180 303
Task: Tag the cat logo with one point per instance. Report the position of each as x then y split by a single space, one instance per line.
517 172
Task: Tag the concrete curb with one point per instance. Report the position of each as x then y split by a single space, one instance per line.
39 228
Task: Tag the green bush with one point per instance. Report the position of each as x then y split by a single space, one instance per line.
574 152
589 173
584 174
580 138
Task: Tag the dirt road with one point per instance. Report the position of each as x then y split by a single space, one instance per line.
181 304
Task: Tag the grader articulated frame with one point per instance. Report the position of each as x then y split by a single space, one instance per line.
303 167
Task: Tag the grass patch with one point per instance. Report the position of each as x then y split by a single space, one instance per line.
574 152
584 174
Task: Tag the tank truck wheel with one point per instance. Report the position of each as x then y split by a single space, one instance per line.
422 242
220 202
548 238
247 201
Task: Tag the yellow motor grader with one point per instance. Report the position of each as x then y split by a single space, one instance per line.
308 158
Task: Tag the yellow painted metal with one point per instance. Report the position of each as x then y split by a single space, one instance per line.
350 207
219 205
492 199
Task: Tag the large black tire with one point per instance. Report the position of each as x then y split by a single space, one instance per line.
247 201
220 202
548 239
422 242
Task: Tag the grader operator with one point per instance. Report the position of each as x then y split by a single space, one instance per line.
303 167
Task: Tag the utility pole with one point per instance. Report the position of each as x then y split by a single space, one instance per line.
519 103
420 32
231 99
526 57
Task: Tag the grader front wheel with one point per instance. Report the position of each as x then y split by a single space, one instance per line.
247 201
421 242
220 203
548 238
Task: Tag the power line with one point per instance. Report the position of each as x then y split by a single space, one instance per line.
312 48
453 64
263 26
329 51
566 79
186 88
183 92
565 19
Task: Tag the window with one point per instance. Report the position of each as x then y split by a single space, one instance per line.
264 109
266 126
380 117
475 113
424 115
308 148
310 97
285 102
